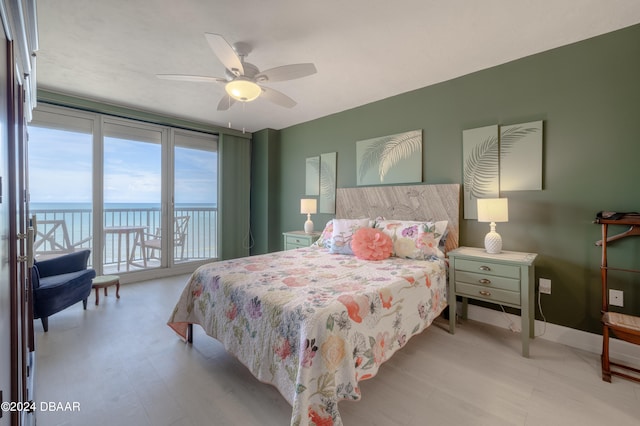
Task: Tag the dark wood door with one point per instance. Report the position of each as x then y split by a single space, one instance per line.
25 352
6 307
16 324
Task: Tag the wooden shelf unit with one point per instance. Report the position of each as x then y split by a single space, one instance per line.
623 326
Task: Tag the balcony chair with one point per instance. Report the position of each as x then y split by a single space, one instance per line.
153 242
52 239
59 283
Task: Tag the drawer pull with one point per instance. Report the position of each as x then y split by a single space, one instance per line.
484 281
484 293
484 268
297 241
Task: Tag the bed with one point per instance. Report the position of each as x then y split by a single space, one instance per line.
313 323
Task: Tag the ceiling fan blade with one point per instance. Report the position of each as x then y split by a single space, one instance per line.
195 78
225 53
225 103
277 98
287 72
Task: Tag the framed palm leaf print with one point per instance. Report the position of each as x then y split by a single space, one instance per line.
508 159
328 164
480 164
312 178
390 159
521 157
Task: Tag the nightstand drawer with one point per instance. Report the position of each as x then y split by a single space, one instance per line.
299 239
487 280
495 295
488 268
292 240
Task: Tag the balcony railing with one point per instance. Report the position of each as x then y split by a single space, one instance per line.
65 230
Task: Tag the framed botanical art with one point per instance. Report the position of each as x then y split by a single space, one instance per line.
312 178
480 164
390 159
521 157
328 182
500 159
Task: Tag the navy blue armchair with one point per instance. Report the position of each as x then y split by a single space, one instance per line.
59 283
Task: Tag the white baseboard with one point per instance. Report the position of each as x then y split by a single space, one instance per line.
618 349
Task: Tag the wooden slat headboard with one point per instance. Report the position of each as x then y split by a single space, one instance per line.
407 202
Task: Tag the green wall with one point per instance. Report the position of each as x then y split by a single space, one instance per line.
588 95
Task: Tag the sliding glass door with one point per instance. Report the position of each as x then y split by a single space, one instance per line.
132 195
195 200
60 182
142 197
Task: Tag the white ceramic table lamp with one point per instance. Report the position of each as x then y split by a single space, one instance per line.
308 206
493 210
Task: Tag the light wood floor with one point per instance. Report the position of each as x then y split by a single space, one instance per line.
124 366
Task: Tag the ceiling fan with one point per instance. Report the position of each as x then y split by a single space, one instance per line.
244 81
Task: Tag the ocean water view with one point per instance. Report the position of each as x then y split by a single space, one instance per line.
65 227
109 206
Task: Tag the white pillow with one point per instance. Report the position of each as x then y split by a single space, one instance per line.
343 230
325 236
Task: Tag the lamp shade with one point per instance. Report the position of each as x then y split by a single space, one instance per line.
242 89
493 210
308 205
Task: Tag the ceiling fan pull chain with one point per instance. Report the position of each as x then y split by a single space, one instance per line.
243 107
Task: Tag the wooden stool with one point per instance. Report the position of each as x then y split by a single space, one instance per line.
105 281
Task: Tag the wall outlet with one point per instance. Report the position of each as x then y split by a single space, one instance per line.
616 298
545 286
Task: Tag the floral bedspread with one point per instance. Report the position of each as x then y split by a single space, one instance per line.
311 323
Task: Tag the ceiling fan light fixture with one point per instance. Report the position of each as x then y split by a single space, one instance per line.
243 90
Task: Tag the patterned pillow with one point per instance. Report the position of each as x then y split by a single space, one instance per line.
372 222
371 244
414 240
343 230
327 232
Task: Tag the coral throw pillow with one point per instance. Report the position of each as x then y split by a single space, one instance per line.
371 244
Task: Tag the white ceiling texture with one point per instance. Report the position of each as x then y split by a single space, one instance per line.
364 50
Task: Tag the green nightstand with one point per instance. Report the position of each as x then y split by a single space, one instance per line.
506 278
298 239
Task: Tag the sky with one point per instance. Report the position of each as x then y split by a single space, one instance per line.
60 170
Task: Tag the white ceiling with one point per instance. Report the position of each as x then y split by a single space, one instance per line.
364 50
